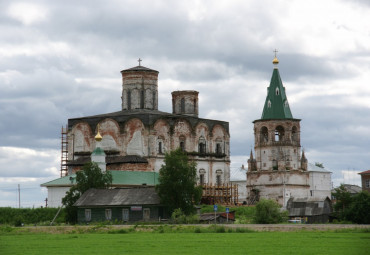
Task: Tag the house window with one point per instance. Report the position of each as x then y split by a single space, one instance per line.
125 214
367 183
146 214
218 177
87 214
108 214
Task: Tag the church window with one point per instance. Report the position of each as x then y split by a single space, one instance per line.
274 165
142 99
201 176
182 105
219 146
269 104
125 214
129 100
264 134
277 91
279 134
182 143
202 145
160 148
218 177
108 214
286 104
294 133
195 106
154 99
87 214
264 164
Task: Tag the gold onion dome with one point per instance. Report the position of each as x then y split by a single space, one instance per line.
275 61
98 137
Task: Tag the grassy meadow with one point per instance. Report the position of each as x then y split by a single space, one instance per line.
181 240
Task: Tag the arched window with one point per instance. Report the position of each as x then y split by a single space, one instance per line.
277 91
279 134
286 103
160 145
202 145
129 100
195 106
153 100
218 177
182 143
202 173
142 99
264 134
182 110
269 104
219 147
294 134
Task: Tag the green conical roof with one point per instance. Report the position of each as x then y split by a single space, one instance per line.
276 104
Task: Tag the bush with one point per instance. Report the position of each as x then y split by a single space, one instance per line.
16 216
179 217
268 212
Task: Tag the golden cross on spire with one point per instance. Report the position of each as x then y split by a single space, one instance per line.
275 51
139 60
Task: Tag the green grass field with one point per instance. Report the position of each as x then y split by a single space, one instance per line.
126 242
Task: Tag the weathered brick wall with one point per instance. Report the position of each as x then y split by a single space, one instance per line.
185 102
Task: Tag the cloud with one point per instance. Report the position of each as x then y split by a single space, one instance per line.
28 13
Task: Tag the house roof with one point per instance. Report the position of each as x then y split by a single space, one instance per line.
120 178
238 174
276 103
365 172
118 197
139 68
110 160
308 206
313 168
353 189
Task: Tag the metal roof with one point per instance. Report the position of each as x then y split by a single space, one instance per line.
276 103
118 197
120 178
138 69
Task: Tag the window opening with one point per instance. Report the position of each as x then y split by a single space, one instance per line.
269 104
142 97
125 214
277 91
129 100
264 134
279 134
182 110
160 148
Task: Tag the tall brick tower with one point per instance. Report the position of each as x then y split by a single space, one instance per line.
139 88
277 171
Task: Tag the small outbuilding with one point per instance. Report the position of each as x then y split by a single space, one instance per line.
311 210
121 205
221 217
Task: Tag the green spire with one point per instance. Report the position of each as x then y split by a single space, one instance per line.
276 104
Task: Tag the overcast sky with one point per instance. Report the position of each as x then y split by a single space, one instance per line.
62 59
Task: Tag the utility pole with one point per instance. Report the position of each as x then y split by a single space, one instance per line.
19 195
46 202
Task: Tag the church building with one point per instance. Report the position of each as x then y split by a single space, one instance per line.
135 139
280 170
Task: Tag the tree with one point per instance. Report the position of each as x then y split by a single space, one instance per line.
358 212
177 186
343 201
268 212
91 176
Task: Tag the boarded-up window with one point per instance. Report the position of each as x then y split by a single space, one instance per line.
146 214
88 214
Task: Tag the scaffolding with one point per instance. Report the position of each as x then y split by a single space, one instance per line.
64 152
225 194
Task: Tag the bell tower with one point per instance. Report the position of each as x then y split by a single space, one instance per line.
278 171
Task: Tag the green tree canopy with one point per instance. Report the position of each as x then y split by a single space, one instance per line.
268 212
91 176
343 201
177 186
